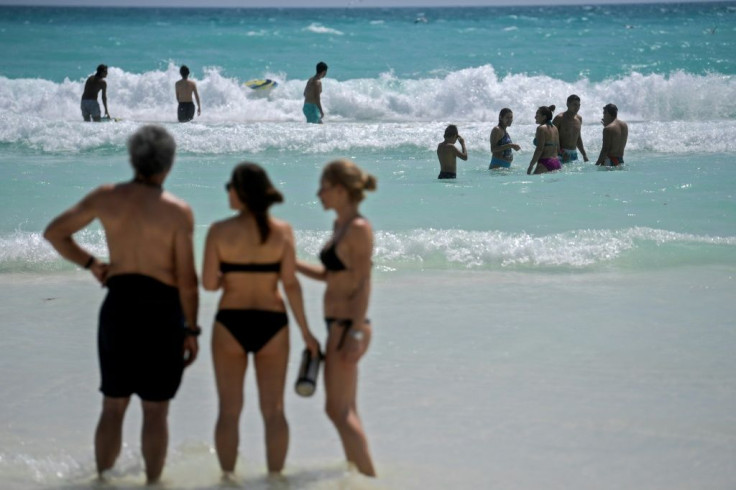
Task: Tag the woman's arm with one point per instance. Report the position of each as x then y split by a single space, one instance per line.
316 272
211 277
293 291
541 138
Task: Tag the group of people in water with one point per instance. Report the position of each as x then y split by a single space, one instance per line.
148 322
557 141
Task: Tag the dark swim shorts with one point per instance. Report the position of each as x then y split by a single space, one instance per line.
140 339
185 111
447 175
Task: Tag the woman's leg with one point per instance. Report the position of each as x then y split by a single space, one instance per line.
341 386
271 362
230 362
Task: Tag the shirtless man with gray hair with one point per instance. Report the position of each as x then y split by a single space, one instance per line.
148 328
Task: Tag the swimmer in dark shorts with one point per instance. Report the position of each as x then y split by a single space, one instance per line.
140 338
185 112
144 341
447 153
185 89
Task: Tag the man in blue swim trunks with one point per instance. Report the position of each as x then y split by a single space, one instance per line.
313 95
569 125
148 322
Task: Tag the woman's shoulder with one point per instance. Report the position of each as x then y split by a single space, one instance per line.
360 226
279 226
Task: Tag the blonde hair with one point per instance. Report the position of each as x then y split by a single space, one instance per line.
347 174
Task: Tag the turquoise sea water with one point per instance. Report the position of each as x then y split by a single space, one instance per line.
579 280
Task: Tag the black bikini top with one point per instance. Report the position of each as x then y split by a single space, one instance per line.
328 257
226 267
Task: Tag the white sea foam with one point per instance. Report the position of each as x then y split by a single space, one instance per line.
320 29
663 114
436 248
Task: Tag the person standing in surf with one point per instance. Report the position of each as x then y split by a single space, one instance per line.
447 153
184 90
148 321
346 270
501 145
313 96
247 256
92 87
547 143
569 125
615 135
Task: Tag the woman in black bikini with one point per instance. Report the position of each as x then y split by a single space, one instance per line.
346 268
247 255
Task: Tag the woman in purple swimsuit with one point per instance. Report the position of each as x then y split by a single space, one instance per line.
346 270
547 142
247 256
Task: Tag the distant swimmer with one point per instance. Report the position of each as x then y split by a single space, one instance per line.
448 153
569 124
313 95
501 145
184 90
547 141
92 87
615 135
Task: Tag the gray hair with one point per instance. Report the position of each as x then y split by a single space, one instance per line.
151 150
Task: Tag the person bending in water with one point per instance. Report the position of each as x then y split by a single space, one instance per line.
447 153
313 96
501 145
184 90
615 135
247 256
547 142
148 320
92 87
346 270
569 124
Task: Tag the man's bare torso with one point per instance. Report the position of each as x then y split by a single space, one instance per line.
569 129
447 155
92 87
142 224
312 91
184 90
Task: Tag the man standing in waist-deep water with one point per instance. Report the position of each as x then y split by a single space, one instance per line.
92 87
569 125
313 96
447 153
615 135
184 90
148 321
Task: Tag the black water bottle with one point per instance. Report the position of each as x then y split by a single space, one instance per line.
306 383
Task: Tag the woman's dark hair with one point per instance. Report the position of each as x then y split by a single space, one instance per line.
503 112
547 112
255 190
